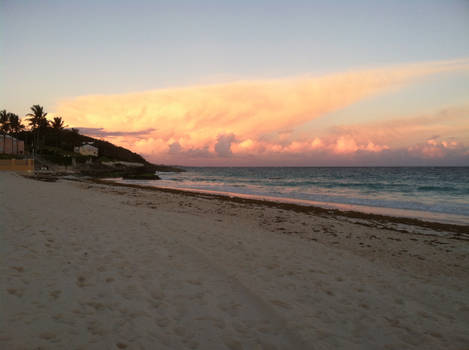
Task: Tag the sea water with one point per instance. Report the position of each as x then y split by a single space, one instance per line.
439 193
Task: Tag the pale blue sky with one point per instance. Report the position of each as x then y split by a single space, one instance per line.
53 52
55 49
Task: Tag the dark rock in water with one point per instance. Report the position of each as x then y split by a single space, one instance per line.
145 172
141 177
166 168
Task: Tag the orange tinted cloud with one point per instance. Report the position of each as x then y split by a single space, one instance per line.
406 131
435 148
240 118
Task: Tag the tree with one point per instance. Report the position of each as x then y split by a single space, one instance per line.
4 122
37 119
58 125
38 122
16 126
4 125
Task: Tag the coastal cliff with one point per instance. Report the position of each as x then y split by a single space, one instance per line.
61 152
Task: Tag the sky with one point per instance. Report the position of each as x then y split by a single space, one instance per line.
248 83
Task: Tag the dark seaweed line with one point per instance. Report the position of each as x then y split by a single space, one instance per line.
460 231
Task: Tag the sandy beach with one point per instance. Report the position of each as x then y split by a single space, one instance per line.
92 266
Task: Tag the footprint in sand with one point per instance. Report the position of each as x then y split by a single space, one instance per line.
266 346
232 344
192 344
55 294
157 294
162 322
179 331
5 338
47 335
15 291
194 282
18 268
81 281
280 303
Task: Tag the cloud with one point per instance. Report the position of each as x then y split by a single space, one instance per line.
405 131
223 145
434 148
174 148
101 132
258 118
347 144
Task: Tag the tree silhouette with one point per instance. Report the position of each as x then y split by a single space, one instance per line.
4 122
16 126
58 125
4 125
38 122
37 119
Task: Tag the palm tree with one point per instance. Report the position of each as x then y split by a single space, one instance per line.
4 121
4 126
37 121
58 125
16 126
37 118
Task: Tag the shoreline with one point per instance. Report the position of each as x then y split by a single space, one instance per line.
101 265
428 216
459 230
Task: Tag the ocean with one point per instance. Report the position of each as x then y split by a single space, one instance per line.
430 193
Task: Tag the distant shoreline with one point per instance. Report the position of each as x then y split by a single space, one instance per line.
323 166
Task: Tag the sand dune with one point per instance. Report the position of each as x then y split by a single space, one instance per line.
89 266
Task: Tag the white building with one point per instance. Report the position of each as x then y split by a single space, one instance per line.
87 150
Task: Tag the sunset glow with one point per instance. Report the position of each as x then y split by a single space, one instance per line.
238 83
268 122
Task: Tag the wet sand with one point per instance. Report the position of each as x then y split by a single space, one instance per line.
93 266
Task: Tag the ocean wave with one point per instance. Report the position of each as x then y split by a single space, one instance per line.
438 190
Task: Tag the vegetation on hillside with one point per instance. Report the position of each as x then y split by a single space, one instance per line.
51 141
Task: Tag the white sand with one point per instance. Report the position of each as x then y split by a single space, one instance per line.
96 267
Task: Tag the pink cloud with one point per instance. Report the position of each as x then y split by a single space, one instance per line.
434 148
345 144
256 119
